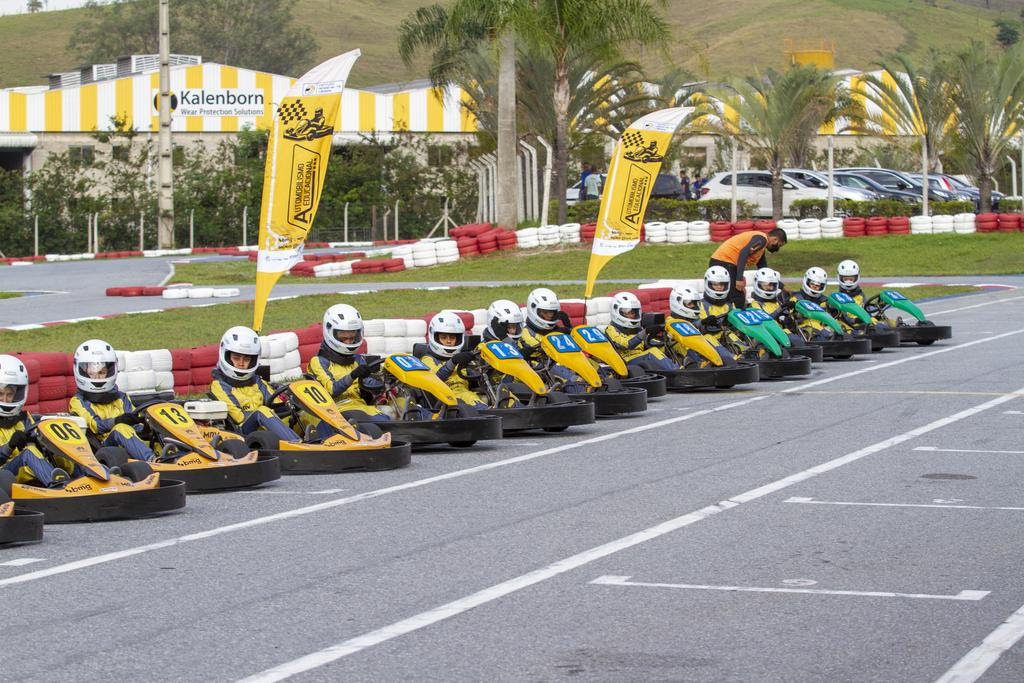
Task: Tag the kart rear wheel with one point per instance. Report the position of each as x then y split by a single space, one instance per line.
236 448
136 470
113 456
556 429
926 342
461 444
6 481
371 430
263 441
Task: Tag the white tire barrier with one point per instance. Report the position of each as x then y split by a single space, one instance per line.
677 232
791 226
699 231
809 229
548 235
656 232
942 224
920 225
528 238
963 224
831 228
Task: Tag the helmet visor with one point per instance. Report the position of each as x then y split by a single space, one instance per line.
13 393
548 314
630 313
450 340
349 336
719 286
768 286
816 287
241 361
514 330
848 279
96 370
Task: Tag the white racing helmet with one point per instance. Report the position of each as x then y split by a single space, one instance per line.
342 318
766 283
815 281
446 322
13 379
717 276
684 302
242 340
849 274
505 319
542 299
95 367
622 304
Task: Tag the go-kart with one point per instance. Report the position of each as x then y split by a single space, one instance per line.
840 345
205 458
500 375
923 331
718 367
595 343
765 343
423 408
798 345
861 323
350 448
17 525
609 395
97 492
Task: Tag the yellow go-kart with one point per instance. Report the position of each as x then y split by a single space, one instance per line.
703 364
352 447
205 458
500 375
423 408
595 343
96 490
17 525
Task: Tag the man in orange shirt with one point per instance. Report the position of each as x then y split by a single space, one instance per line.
746 250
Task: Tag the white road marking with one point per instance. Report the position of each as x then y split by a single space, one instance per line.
987 303
946 506
491 593
456 474
913 392
624 581
1013 412
936 449
295 493
975 663
21 562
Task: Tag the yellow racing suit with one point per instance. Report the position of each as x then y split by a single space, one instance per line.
105 416
247 406
633 347
333 370
27 464
447 371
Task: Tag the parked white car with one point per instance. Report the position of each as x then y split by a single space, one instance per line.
755 187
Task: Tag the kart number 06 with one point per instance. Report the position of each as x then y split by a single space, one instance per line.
65 431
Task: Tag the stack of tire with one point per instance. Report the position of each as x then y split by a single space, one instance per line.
135 291
599 311
445 251
764 225
330 269
809 228
384 265
677 232
527 238
876 226
576 309
280 352
202 361
587 232
309 342
467 246
854 226
720 231
549 235
51 381
791 226
742 226
899 225
986 222
200 292
393 335
143 375
656 232
698 231
920 225
831 228
569 233
507 239
963 223
1009 222
942 225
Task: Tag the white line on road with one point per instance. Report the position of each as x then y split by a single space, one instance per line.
482 597
1013 412
295 493
936 449
975 663
456 474
624 581
987 303
811 501
21 562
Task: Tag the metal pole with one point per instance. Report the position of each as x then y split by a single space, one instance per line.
732 183
1022 171
96 233
924 176
520 189
35 230
345 233
1013 175
142 231
165 169
88 233
245 225
546 204
533 207
831 180
192 229
396 218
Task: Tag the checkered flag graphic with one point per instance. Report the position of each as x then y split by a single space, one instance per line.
293 111
633 139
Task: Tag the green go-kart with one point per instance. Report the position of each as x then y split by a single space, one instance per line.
764 342
917 329
861 324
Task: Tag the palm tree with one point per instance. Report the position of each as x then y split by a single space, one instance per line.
988 92
450 34
776 115
910 100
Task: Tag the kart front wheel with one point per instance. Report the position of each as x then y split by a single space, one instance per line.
926 342
136 470
113 456
263 441
6 482
461 444
236 448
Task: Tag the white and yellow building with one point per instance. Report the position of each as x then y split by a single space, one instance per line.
212 101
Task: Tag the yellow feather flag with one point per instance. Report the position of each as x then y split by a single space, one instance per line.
636 161
297 155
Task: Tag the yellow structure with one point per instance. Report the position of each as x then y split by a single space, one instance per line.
822 56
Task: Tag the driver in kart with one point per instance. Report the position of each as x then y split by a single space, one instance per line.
544 316
17 455
768 295
236 384
631 339
504 322
340 368
684 304
715 306
812 289
446 356
108 413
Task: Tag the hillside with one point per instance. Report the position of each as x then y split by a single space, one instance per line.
732 37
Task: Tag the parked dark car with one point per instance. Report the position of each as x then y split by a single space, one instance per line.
850 179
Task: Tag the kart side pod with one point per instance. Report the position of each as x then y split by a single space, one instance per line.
595 342
751 324
413 372
563 350
690 338
507 360
813 311
846 304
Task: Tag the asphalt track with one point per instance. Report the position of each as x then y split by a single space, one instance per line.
861 524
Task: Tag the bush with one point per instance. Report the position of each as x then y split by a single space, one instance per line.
817 208
1009 205
664 210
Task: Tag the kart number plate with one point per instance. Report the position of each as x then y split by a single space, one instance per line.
504 350
764 317
810 306
841 298
685 329
749 317
63 431
563 343
592 335
410 363
895 296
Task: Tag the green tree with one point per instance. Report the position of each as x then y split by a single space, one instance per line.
34 6
775 115
1007 32
988 92
912 100
220 30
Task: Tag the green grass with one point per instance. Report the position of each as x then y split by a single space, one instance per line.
735 38
10 295
990 254
197 326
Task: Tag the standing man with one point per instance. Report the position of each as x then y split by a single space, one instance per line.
684 180
585 170
746 250
592 185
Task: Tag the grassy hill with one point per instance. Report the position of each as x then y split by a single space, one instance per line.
717 38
